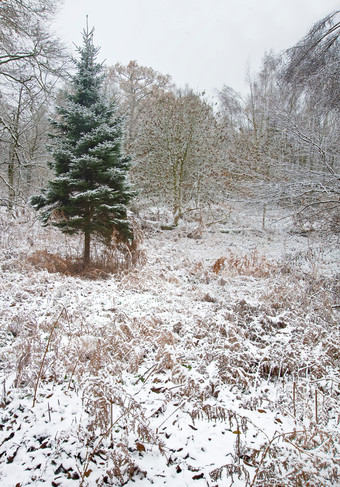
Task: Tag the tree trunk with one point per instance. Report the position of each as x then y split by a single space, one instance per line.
86 257
11 182
177 216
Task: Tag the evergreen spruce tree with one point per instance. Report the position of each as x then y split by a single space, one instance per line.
89 193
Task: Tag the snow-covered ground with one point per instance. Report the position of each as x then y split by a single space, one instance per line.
214 361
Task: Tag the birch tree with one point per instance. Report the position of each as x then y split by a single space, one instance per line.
287 148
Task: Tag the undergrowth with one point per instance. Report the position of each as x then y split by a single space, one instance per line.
262 370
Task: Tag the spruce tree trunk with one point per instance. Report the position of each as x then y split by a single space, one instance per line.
86 257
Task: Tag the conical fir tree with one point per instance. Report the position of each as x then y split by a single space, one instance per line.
89 193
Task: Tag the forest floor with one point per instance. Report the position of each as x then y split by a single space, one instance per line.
213 361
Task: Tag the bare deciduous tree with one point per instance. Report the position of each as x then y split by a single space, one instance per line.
177 152
283 140
28 52
31 62
23 139
133 85
313 63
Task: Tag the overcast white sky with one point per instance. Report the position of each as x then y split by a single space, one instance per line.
202 43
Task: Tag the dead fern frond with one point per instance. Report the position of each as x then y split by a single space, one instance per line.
252 264
231 470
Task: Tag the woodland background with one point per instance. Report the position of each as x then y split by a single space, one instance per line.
280 142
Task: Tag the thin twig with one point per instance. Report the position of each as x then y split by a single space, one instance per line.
44 356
